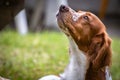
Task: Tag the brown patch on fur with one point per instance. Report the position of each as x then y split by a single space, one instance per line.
90 35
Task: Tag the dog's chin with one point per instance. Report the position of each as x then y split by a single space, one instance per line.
62 26
65 30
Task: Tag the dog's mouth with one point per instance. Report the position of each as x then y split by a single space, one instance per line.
64 18
63 10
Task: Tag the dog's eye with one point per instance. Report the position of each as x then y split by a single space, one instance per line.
85 17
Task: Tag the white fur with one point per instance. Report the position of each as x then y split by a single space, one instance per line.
76 16
50 77
78 65
107 75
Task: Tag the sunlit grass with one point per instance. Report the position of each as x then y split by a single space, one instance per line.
34 55
116 59
31 56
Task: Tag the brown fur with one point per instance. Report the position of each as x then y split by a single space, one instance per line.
91 37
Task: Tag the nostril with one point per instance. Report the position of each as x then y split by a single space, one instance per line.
63 8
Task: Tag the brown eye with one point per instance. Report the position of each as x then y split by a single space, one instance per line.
85 17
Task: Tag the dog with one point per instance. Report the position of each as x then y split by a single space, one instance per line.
90 46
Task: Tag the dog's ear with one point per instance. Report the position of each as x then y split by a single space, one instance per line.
100 51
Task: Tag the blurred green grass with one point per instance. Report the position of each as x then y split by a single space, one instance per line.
34 55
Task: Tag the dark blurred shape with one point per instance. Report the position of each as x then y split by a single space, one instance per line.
9 9
36 14
103 8
98 7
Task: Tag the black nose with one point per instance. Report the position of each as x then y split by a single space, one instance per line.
63 8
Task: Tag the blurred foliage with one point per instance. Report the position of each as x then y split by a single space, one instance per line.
115 70
34 55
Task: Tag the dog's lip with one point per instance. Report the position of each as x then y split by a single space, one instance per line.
57 13
60 18
63 27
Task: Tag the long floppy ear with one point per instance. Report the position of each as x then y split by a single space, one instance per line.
100 51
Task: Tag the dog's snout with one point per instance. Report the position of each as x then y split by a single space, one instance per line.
63 8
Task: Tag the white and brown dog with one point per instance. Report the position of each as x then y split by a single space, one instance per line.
90 46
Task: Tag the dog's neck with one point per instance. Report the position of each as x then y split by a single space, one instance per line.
77 68
78 65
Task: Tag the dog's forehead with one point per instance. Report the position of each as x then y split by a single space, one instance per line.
77 15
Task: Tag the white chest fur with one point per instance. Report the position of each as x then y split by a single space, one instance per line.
107 74
78 65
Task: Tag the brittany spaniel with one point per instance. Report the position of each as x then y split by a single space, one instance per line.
90 46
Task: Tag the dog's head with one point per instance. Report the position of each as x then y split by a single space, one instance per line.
88 32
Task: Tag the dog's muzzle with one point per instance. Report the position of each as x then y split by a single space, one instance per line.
63 9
